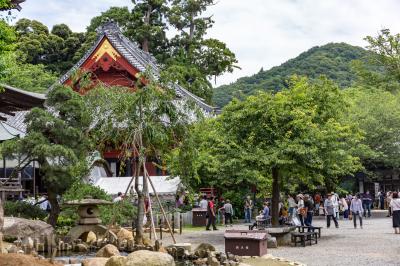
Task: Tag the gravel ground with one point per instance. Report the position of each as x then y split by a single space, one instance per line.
375 244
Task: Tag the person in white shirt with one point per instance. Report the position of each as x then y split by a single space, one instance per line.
300 208
335 201
395 206
118 198
292 206
204 202
43 203
356 208
345 208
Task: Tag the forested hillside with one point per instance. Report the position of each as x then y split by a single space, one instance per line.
332 60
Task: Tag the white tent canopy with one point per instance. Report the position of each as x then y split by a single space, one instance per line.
164 185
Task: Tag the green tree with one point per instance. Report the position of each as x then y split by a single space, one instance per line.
145 123
13 69
55 49
29 77
57 138
7 37
375 100
196 59
188 58
377 113
296 136
145 23
5 4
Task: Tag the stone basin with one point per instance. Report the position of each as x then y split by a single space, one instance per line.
283 235
85 202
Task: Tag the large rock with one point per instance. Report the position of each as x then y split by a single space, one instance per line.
22 260
28 242
205 246
89 237
124 234
149 258
212 261
203 249
20 227
108 251
13 249
81 248
116 261
95 262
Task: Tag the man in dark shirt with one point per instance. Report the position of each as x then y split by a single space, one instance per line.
309 206
367 202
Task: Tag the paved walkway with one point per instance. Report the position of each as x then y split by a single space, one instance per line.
375 244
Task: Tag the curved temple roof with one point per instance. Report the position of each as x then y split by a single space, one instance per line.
136 57
13 100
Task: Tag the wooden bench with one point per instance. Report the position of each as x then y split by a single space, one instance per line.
309 228
301 238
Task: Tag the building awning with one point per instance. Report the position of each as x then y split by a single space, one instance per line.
163 184
7 132
13 100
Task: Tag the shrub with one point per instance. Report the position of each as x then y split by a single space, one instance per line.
119 213
24 210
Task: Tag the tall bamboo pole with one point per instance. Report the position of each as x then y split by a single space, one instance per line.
162 209
145 178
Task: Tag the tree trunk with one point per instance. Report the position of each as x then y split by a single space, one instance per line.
1 226
1 216
55 208
275 197
140 207
145 42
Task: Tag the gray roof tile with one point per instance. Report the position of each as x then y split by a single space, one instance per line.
137 57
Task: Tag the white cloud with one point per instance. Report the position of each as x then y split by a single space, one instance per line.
262 33
75 13
266 33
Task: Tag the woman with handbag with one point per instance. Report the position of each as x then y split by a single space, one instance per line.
301 210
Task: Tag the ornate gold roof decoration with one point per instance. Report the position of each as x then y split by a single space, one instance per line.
106 47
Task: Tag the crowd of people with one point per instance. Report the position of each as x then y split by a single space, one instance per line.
301 208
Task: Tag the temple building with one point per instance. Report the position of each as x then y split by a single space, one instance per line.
14 103
115 61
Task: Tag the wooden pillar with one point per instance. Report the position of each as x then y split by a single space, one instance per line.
34 180
4 168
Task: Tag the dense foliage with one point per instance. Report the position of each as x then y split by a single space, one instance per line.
24 210
5 4
332 60
120 213
296 136
55 49
375 102
29 77
147 123
14 70
56 137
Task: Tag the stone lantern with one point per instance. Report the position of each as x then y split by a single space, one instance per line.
89 220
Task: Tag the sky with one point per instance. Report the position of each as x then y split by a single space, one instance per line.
262 33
